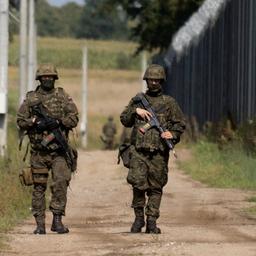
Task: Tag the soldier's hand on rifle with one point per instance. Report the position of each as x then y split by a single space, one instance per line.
143 113
166 135
42 124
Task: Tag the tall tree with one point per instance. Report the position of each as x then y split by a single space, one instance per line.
57 21
48 20
100 21
155 21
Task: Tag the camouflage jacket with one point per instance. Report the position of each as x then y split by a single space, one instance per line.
169 115
58 104
109 129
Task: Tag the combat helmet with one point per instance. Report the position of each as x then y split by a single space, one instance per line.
47 69
154 71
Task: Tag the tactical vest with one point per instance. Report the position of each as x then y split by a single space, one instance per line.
54 104
151 139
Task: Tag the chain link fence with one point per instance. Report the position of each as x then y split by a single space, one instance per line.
211 65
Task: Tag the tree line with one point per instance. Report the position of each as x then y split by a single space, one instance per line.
150 23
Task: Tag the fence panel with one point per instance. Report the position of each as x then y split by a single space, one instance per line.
211 62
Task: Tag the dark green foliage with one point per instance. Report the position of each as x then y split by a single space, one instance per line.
101 22
156 21
151 23
58 22
92 20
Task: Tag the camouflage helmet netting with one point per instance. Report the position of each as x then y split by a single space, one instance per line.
47 69
154 71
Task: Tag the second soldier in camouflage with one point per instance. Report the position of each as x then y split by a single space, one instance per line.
148 172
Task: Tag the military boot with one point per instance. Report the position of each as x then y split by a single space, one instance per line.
40 226
139 222
151 227
57 225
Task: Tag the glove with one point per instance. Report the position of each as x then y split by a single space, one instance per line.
46 124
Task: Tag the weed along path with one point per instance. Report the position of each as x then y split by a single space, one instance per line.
195 220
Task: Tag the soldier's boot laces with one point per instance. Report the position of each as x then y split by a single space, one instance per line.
151 227
40 227
137 225
57 225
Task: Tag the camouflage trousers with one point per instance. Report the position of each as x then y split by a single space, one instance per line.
109 143
41 164
148 174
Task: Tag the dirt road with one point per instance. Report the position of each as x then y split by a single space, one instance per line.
195 220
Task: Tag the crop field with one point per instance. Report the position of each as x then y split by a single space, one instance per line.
67 53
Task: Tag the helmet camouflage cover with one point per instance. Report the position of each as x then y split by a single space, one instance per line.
47 69
154 71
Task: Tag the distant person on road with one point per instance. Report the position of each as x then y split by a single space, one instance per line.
47 115
108 134
148 172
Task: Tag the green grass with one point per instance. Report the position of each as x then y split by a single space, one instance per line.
67 53
252 199
251 211
14 199
229 168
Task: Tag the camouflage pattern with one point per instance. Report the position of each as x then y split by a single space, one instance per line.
170 117
125 137
109 131
61 176
154 71
47 69
58 105
148 172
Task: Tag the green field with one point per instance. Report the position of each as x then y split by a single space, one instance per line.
67 53
14 199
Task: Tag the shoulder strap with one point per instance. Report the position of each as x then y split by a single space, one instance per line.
32 97
60 91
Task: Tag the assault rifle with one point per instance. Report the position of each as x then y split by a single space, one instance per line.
55 132
153 122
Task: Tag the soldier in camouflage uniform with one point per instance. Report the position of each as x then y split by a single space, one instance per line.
64 115
148 172
109 131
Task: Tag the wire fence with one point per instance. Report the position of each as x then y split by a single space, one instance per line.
211 62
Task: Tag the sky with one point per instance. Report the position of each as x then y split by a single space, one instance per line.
61 2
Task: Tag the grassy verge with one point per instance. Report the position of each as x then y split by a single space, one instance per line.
14 198
251 211
229 168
